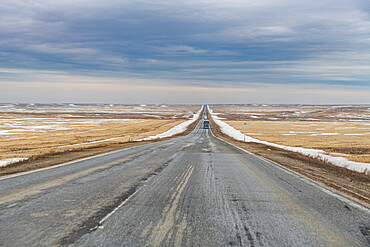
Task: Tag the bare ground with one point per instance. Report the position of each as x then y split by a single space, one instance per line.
349 183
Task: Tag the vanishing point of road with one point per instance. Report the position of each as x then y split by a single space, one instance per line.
194 190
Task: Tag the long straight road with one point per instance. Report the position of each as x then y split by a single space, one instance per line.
191 191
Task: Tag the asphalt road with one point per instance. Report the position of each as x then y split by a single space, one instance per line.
191 191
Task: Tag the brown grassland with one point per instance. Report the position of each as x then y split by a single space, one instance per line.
80 135
339 130
350 183
346 139
49 135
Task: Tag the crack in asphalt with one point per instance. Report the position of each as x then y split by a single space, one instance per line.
366 232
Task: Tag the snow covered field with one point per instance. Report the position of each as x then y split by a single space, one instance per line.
235 132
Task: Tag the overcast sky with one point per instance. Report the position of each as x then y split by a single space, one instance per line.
194 51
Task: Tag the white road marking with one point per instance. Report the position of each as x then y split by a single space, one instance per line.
118 207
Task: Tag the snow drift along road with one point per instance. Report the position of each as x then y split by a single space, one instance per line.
315 153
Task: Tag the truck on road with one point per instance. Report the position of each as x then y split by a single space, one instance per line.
205 124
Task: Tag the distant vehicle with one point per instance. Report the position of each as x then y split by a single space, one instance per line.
205 124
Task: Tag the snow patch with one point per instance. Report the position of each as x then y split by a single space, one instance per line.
10 161
315 153
325 134
356 134
11 132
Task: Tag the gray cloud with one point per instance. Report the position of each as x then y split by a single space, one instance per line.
189 43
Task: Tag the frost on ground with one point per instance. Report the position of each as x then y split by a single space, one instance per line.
175 130
315 153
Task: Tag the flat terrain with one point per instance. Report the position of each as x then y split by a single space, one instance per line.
339 130
194 190
324 113
344 181
345 139
30 131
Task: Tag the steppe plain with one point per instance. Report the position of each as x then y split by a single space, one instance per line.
339 130
29 131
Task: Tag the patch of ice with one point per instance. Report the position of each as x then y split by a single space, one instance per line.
10 161
315 153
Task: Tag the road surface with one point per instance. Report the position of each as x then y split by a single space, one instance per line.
191 191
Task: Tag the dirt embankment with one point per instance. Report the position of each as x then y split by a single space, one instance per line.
59 157
349 183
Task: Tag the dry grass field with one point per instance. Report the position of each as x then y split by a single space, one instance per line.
28 131
339 130
324 113
348 182
350 140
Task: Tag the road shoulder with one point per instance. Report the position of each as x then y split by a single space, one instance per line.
340 180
